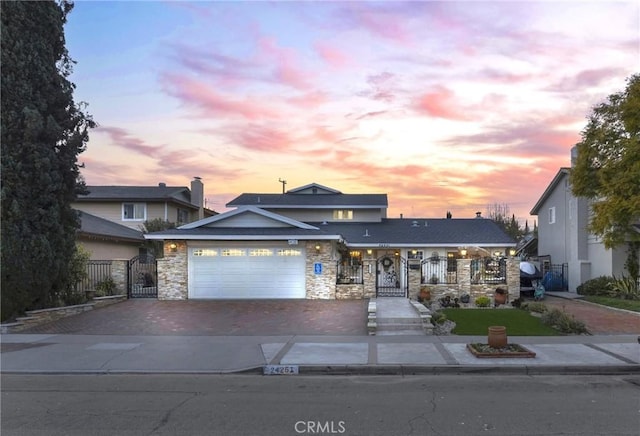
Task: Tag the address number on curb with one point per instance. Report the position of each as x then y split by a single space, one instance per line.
280 369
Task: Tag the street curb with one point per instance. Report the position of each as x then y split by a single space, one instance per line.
407 370
364 370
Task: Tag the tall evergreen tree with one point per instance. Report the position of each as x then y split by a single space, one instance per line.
43 132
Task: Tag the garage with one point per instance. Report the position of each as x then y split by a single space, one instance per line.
246 270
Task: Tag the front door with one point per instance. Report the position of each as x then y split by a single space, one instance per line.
391 276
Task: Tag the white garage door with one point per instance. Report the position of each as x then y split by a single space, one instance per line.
247 271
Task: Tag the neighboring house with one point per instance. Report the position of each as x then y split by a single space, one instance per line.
106 240
563 238
317 242
131 206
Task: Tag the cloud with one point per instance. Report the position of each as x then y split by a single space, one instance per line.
258 137
585 79
441 103
198 94
332 56
121 138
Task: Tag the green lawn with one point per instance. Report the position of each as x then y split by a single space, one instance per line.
477 321
633 305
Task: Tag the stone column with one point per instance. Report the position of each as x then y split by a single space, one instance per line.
414 278
464 276
513 278
320 284
119 271
173 274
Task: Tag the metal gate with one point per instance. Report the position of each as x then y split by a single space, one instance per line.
392 276
142 279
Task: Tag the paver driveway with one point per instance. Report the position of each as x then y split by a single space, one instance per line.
600 320
217 318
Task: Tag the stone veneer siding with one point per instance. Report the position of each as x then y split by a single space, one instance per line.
323 285
173 272
464 286
119 271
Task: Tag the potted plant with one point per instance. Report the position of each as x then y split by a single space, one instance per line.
464 298
500 296
425 294
434 279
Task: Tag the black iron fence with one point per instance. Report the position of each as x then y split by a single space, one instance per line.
349 274
436 270
489 270
98 272
555 277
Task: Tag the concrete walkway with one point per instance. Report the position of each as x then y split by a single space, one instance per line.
419 354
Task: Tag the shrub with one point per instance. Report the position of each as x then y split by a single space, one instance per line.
625 288
598 286
105 287
483 301
438 317
534 306
517 303
563 322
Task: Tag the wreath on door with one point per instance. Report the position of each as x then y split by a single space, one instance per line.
387 262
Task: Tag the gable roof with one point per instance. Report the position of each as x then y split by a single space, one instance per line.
178 194
562 172
247 210
313 188
314 196
93 226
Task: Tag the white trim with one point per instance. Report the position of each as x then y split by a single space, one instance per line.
248 209
192 237
313 185
134 203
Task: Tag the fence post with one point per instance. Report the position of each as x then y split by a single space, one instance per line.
119 272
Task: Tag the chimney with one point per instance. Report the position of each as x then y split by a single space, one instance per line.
162 185
197 195
479 215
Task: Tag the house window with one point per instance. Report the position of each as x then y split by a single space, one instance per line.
552 215
134 211
183 216
343 214
289 252
205 252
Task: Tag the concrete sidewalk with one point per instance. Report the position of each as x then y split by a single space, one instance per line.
102 354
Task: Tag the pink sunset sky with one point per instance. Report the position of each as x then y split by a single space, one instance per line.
444 106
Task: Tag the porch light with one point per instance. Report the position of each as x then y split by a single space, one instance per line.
318 248
173 247
463 252
369 252
497 253
397 253
512 252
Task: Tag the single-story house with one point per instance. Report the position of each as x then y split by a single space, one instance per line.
105 239
317 242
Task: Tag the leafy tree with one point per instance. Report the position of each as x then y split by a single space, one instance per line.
43 132
607 168
156 225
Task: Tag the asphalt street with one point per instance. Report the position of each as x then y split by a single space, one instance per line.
235 405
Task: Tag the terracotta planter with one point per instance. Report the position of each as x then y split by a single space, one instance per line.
497 337
500 297
425 294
